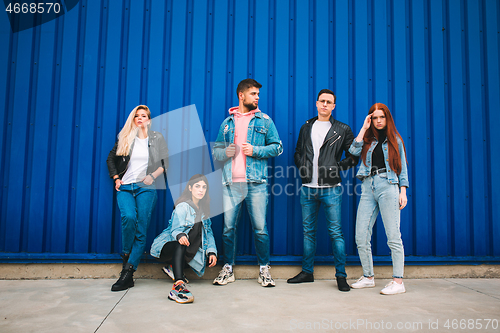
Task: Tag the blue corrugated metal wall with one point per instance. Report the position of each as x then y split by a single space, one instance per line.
67 86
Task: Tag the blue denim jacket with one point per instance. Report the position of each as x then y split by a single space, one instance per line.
182 221
262 135
392 177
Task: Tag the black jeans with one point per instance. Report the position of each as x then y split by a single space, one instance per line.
174 253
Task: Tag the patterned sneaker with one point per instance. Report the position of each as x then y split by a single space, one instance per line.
225 276
363 282
393 288
265 278
180 293
170 272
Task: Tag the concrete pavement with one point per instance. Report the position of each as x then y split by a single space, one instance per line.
88 305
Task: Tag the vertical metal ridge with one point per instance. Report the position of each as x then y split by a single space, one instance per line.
489 92
271 65
352 105
28 156
208 75
311 49
100 172
6 136
431 151
390 59
271 79
251 45
411 155
188 52
369 25
52 134
483 200
448 134
145 68
331 45
122 91
466 146
230 54
292 234
76 124
93 191
448 110
165 103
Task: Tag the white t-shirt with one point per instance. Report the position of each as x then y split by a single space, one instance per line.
318 133
138 164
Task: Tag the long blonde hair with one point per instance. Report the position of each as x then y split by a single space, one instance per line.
129 131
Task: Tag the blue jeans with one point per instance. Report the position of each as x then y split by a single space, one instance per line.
255 195
136 202
310 199
377 194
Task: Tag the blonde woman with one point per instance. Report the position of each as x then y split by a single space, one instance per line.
138 158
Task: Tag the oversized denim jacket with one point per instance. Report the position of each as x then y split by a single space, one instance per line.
262 135
392 176
182 221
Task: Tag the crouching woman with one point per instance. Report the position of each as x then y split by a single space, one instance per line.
188 238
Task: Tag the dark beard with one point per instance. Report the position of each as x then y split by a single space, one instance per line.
250 107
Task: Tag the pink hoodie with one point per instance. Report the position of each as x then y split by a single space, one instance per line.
241 121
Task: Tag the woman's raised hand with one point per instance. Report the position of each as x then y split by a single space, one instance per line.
368 121
364 128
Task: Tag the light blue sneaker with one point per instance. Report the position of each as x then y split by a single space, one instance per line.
170 272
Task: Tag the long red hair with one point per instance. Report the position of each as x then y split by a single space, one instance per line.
392 135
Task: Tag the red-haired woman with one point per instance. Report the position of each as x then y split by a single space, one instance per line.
385 179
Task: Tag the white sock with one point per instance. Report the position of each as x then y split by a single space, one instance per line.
262 267
230 267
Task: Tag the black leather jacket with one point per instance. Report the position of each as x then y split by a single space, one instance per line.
338 139
158 156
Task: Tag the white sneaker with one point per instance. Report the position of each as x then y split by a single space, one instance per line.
393 288
265 278
363 282
225 276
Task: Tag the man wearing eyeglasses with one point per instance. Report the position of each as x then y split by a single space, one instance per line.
318 155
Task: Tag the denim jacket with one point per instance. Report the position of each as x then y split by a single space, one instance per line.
392 177
262 135
182 221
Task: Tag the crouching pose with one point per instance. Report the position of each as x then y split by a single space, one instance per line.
188 238
385 179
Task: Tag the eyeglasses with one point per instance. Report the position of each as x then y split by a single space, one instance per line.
323 101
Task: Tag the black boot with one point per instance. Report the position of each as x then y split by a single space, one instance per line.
342 284
126 279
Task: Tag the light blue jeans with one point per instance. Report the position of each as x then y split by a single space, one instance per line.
377 194
136 202
256 197
310 200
